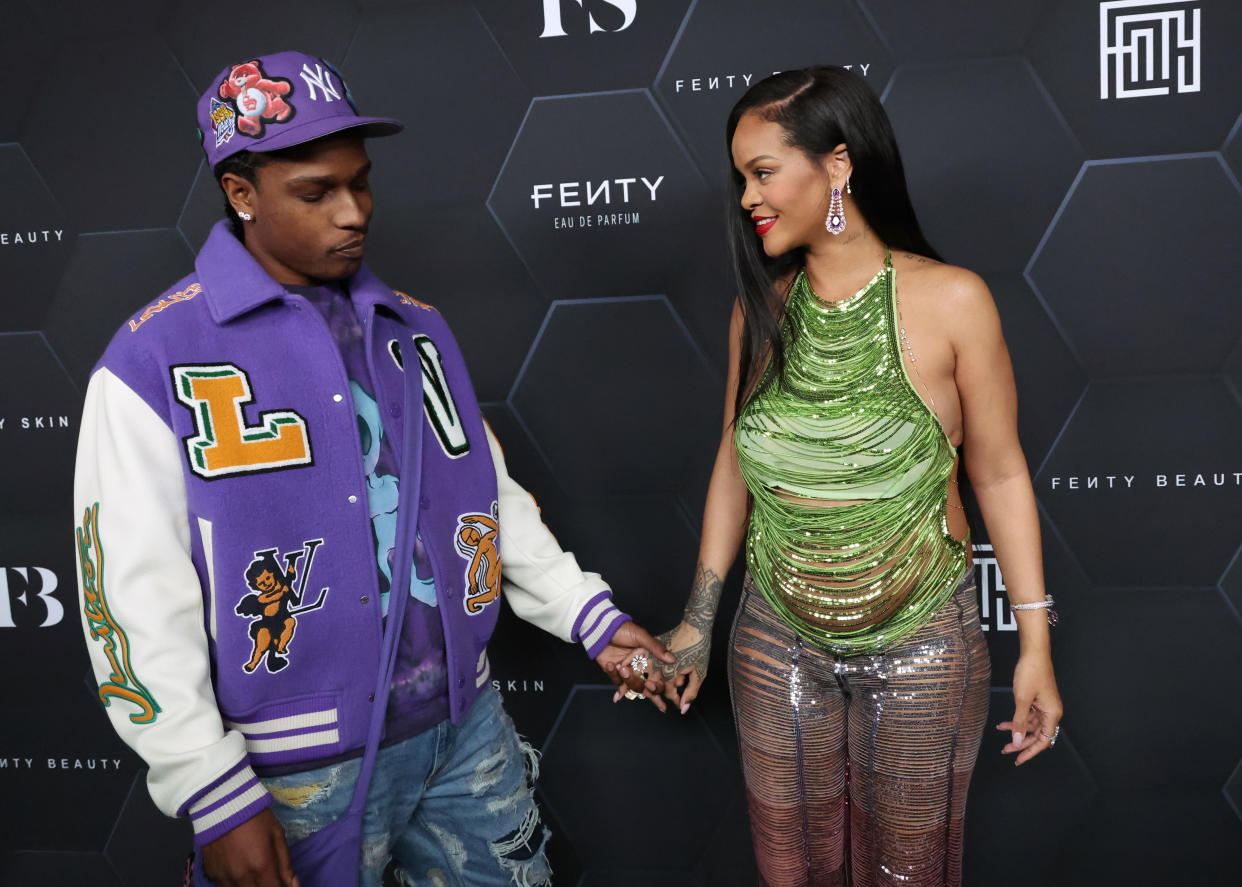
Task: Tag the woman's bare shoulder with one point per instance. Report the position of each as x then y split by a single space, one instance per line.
949 286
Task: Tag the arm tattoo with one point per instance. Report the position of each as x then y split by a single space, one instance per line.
704 599
700 614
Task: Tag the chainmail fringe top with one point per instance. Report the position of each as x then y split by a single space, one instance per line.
844 423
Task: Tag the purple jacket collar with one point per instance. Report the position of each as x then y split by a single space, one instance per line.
234 282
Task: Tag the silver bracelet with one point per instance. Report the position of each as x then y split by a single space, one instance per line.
1045 604
1038 605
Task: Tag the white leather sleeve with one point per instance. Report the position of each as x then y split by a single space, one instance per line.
542 582
142 612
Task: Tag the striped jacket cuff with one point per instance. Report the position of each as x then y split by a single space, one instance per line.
291 732
597 622
226 803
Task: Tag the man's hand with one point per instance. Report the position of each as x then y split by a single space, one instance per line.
252 855
630 640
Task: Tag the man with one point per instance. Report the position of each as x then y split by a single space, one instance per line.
245 443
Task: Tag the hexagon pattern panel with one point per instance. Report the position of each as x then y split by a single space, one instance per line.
593 358
966 29
725 47
1126 310
1118 483
34 243
559 193
989 169
112 166
590 727
578 217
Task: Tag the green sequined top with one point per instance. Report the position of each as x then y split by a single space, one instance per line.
843 422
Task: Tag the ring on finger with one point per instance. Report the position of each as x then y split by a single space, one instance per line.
1053 736
633 694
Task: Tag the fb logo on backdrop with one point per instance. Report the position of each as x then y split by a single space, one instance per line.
26 592
1148 47
553 26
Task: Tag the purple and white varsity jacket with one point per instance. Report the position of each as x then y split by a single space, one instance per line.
226 563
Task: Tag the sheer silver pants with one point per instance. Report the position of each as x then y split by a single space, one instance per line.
857 767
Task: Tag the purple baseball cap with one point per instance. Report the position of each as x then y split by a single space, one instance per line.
278 101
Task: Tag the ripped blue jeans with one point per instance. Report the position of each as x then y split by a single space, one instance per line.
452 807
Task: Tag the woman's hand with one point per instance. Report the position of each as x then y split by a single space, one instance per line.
1037 708
691 640
692 646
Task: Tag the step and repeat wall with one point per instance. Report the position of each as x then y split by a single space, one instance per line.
559 193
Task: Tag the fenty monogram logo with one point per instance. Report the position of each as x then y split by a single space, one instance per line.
1149 47
224 444
122 683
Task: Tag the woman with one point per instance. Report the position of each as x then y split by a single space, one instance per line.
859 364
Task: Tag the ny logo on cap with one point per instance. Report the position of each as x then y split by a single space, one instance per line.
321 80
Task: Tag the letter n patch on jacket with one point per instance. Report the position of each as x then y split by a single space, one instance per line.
224 444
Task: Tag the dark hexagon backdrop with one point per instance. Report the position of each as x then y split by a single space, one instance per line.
558 194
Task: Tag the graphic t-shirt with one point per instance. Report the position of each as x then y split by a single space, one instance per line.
418 698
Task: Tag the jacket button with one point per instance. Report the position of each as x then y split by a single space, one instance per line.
461 682
371 697
338 397
353 499
365 599
394 411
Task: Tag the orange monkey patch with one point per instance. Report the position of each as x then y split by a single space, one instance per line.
477 540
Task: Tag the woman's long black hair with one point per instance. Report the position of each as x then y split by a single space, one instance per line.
819 108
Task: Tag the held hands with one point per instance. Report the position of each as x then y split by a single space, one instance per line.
1037 708
690 643
633 640
253 854
693 647
681 670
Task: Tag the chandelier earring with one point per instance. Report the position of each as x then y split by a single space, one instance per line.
835 223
